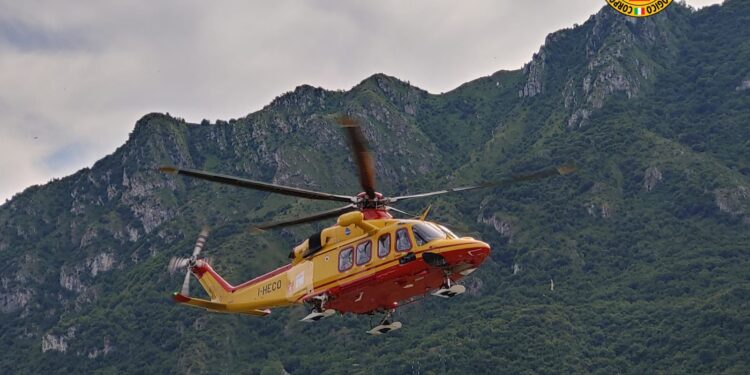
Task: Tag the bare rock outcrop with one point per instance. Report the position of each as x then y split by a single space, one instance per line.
503 226
70 279
58 343
534 72
12 301
610 44
102 262
141 196
734 201
651 177
70 276
103 351
611 69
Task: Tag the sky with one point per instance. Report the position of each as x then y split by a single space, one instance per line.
75 76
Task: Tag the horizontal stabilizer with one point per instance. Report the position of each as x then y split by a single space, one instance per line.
241 308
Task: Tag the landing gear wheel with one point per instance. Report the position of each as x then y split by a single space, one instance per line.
318 312
448 290
317 315
384 328
385 325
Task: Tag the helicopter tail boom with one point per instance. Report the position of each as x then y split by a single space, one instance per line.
252 297
219 307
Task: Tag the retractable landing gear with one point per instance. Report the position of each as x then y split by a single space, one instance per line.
449 290
385 325
318 312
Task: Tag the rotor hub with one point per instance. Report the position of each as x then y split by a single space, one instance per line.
364 202
376 213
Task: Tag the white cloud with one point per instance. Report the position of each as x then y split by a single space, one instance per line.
75 76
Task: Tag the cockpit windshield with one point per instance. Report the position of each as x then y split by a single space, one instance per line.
425 233
447 231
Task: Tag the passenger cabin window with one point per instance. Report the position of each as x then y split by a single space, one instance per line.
403 242
364 253
424 233
384 245
346 259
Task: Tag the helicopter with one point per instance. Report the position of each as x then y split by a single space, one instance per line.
367 263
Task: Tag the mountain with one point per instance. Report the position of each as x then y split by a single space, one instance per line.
648 245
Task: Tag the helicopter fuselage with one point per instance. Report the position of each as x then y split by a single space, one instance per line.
360 268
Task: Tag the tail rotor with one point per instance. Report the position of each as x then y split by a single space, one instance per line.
177 263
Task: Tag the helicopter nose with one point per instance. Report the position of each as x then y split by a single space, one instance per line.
483 246
480 246
479 251
473 245
474 255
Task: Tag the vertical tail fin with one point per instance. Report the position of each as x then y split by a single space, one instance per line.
215 285
218 290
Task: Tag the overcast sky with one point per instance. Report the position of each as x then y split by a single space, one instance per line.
76 75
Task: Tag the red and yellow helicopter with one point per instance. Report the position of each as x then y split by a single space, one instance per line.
368 263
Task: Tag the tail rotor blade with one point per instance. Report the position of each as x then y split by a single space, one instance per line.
202 237
177 263
186 284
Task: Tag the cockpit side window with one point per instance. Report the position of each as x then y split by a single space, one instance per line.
403 242
424 233
384 245
364 253
346 259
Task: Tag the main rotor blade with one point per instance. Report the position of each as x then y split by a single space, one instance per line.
308 219
362 155
257 185
538 175
400 211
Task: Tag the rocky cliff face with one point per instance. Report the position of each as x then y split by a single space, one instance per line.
620 55
57 343
734 201
14 300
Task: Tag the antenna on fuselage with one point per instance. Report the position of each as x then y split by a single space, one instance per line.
425 212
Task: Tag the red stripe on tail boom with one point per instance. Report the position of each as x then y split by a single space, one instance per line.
205 267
